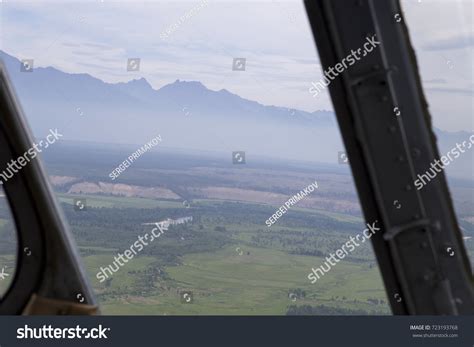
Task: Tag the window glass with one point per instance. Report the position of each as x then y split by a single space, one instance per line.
197 171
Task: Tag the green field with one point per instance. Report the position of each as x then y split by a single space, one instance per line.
227 258
239 277
225 282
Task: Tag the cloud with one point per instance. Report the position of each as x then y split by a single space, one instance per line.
70 44
435 81
461 91
458 42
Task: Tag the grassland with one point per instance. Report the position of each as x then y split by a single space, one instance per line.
225 282
242 276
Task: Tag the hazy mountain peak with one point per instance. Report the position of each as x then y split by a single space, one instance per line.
225 91
186 84
140 82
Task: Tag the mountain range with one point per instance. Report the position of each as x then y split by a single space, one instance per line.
186 114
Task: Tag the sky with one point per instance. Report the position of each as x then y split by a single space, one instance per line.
98 37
